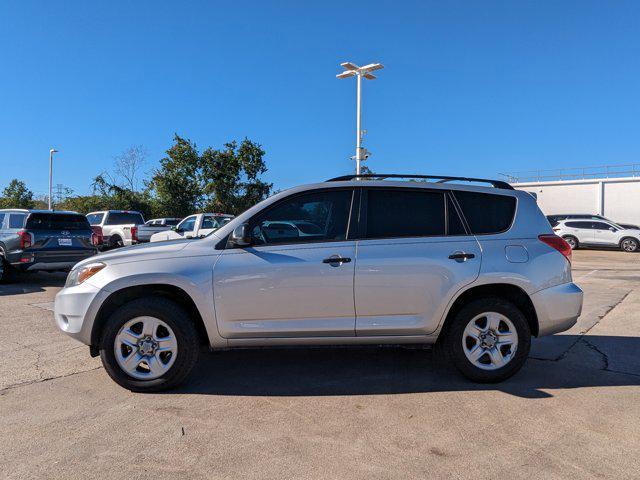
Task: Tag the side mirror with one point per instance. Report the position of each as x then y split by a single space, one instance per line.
241 236
612 229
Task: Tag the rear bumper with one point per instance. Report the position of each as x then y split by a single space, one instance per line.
558 308
48 260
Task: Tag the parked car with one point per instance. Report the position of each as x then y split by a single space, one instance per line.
554 219
33 240
598 233
194 226
154 226
119 227
475 270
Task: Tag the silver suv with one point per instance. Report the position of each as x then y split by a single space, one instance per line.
474 270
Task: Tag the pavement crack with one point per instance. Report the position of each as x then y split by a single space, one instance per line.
603 355
4 390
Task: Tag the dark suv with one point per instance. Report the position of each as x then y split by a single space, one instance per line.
32 240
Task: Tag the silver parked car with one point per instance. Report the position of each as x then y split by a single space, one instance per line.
475 270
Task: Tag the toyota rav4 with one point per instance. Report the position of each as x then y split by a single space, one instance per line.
474 270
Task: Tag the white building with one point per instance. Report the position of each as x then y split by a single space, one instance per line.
615 194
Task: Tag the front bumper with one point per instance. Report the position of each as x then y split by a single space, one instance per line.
76 309
558 308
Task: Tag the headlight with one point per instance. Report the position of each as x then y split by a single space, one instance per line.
79 275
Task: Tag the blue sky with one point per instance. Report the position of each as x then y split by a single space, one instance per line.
469 88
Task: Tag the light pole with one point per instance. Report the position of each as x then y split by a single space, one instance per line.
51 152
353 70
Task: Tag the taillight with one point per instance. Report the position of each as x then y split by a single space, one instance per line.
134 234
558 243
96 236
25 239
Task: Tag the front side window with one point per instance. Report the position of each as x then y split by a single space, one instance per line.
404 213
188 224
486 213
601 226
16 220
310 217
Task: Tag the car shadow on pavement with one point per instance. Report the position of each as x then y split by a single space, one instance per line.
393 370
21 283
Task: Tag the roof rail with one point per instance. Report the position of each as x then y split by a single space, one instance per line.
440 178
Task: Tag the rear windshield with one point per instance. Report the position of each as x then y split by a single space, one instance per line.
57 221
124 218
95 218
487 213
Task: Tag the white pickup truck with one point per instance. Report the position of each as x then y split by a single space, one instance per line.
194 226
119 227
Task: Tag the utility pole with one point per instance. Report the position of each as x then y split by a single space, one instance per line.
352 70
51 152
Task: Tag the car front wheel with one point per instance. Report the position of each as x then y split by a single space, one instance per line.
572 241
629 244
149 344
489 340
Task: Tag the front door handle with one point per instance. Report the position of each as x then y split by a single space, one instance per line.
461 256
336 259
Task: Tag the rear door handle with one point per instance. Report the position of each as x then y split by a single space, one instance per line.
336 259
461 256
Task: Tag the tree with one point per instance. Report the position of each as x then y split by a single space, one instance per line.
176 184
231 177
17 195
129 166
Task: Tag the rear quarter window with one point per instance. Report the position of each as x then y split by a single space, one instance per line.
487 213
16 220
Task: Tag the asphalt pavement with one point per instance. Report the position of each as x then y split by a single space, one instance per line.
572 412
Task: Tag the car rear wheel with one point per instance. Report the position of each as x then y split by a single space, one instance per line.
489 340
116 242
629 244
572 241
149 344
6 271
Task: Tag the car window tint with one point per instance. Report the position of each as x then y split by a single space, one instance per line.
601 226
404 213
311 217
16 220
95 218
171 222
576 225
2 215
188 224
454 223
57 221
124 218
486 213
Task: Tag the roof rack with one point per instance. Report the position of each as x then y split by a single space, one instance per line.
440 178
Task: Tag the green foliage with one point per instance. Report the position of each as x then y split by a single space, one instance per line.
17 195
230 177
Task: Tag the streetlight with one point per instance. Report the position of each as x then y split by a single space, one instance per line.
51 152
352 70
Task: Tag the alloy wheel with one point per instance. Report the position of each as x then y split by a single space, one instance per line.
145 348
629 245
490 341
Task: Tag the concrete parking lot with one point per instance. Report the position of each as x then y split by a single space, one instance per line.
572 412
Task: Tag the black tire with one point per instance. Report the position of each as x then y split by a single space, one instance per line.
572 241
454 337
629 244
183 328
116 242
7 272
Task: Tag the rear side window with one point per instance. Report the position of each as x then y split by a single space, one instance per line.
578 224
2 215
404 213
95 218
16 220
172 222
57 221
124 218
486 213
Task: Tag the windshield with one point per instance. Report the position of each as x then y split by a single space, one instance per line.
57 221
